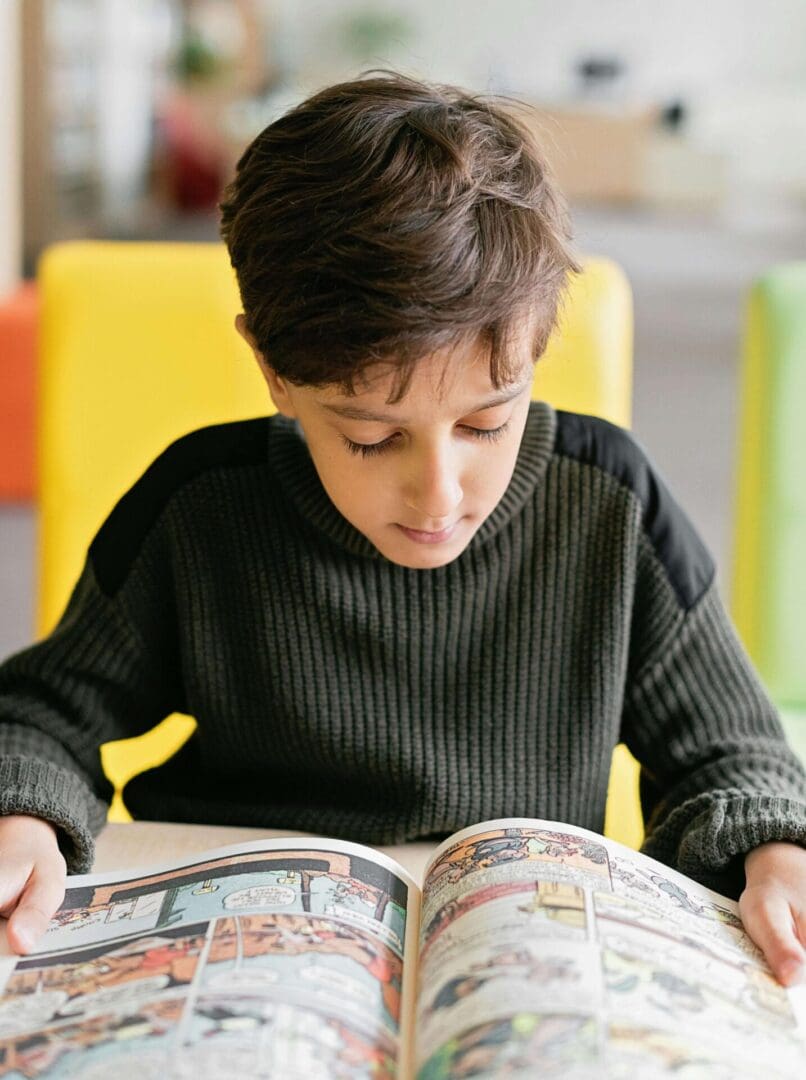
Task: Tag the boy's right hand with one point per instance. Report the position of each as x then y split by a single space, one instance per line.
32 878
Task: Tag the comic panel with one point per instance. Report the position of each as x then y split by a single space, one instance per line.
489 948
653 979
492 980
307 961
66 988
245 1035
683 903
304 882
511 854
514 909
524 1045
656 1054
331 988
707 943
709 935
93 1047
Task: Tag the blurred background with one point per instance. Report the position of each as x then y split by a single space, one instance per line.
678 133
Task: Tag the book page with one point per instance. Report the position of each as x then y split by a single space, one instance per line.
275 957
546 950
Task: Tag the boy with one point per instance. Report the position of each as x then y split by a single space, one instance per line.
412 599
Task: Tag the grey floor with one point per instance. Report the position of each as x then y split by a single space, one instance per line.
689 275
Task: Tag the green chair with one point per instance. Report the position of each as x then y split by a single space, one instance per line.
768 596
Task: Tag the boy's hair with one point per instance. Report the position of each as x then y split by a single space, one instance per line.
386 218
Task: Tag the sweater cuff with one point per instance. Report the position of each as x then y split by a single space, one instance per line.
708 837
44 790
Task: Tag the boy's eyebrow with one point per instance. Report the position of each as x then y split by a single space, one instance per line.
353 412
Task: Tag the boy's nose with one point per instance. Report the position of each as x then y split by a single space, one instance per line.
433 492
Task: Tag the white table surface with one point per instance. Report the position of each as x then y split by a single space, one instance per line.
146 843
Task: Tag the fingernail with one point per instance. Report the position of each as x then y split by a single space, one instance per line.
791 970
25 939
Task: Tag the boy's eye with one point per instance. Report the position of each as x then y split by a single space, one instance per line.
368 449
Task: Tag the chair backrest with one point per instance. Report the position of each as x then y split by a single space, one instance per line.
138 346
768 593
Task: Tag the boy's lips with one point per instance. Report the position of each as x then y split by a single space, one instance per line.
424 537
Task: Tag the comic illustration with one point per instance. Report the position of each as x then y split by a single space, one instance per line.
43 991
543 908
95 1044
249 1036
515 917
523 1044
654 1053
317 883
289 961
566 853
532 949
497 978
685 988
303 955
713 937
683 905
505 857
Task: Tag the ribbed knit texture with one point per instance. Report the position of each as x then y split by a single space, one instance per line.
337 692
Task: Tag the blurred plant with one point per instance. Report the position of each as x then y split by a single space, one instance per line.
196 60
367 33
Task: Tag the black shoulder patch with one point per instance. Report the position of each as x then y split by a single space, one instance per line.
597 442
117 542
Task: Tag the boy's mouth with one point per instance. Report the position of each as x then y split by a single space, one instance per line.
422 537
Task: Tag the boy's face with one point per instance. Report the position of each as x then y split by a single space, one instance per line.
427 468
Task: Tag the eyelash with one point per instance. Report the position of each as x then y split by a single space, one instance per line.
370 449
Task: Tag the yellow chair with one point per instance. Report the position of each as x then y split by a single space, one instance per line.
138 347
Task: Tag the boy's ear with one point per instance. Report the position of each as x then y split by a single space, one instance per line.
240 326
277 387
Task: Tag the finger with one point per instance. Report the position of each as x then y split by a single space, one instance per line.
13 879
41 897
771 924
800 926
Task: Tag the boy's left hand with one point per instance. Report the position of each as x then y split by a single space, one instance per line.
773 907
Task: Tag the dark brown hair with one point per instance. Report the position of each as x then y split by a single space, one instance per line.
385 218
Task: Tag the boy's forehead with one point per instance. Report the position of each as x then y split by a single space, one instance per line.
464 387
374 407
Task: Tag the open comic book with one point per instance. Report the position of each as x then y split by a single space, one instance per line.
534 949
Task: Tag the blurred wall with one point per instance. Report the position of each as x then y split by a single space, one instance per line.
740 65
135 39
686 47
10 179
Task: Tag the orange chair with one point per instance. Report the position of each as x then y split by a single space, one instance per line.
19 321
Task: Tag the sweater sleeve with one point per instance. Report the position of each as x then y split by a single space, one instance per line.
718 777
107 671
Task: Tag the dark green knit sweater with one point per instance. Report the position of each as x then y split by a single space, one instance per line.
338 692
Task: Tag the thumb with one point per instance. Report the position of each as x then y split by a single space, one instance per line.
770 922
13 878
40 898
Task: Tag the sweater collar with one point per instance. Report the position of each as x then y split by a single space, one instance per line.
293 465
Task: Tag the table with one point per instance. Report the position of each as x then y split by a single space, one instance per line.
146 843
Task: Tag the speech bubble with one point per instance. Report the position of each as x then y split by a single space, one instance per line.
375 928
337 982
150 1065
256 977
260 896
220 1056
111 996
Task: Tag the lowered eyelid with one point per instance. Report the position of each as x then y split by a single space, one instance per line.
483 414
